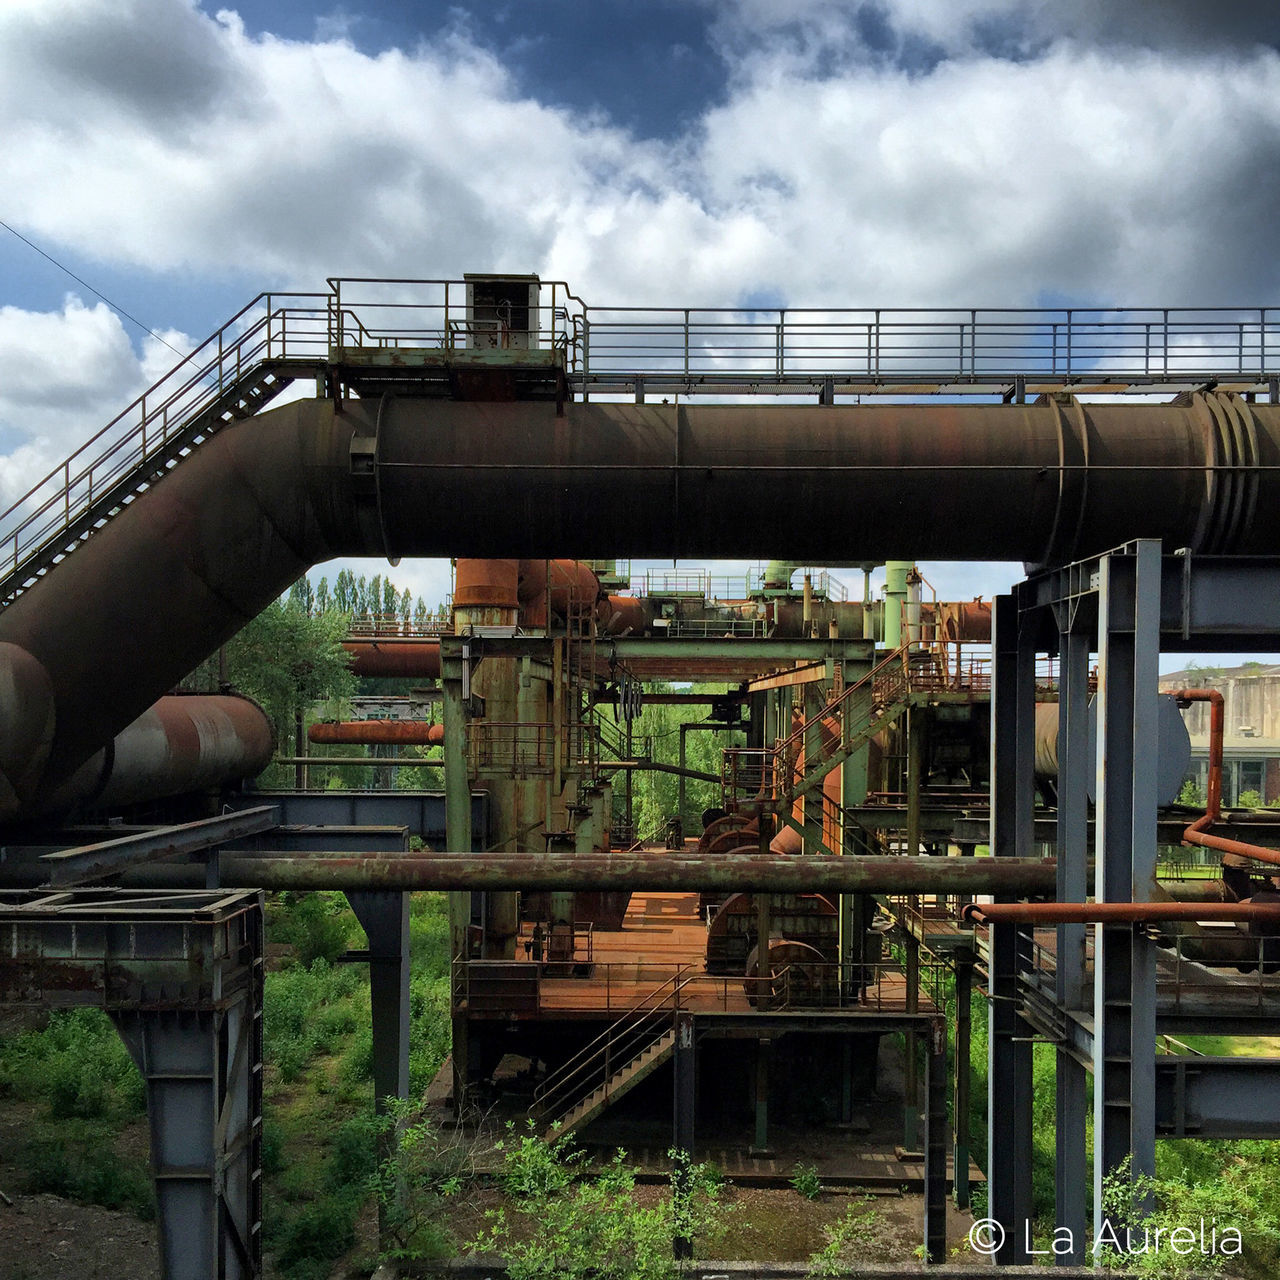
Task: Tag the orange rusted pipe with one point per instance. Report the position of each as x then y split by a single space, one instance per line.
570 582
394 659
408 733
486 584
1198 832
1117 912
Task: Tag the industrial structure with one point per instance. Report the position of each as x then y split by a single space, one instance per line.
870 747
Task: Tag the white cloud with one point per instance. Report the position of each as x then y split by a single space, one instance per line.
1090 171
152 136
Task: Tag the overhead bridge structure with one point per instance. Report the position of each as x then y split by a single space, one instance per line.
505 420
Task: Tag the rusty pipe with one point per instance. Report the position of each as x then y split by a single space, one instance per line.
1217 734
413 733
1197 833
1050 913
394 659
205 548
193 742
672 872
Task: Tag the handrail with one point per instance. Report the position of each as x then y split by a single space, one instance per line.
213 369
878 675
555 1086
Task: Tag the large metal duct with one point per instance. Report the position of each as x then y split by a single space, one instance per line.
188 563
394 659
196 742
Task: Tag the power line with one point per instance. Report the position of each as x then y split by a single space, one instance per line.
92 290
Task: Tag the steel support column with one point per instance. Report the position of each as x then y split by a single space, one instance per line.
684 1108
935 1150
180 975
385 920
1009 1045
1124 959
1071 1184
454 684
964 1003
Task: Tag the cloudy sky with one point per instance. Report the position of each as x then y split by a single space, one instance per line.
180 157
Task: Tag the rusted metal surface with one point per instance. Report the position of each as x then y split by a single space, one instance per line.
1198 833
668 872
195 742
418 733
569 583
315 480
1119 912
109 857
394 659
486 584
120 949
625 615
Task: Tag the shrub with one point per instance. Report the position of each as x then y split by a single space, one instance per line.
588 1224
804 1178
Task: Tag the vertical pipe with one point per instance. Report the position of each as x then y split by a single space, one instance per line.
895 596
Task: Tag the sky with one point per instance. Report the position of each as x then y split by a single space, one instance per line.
181 157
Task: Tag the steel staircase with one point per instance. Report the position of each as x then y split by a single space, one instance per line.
782 773
232 375
613 1063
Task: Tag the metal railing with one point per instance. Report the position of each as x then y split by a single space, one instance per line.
596 1063
877 346
771 350
273 327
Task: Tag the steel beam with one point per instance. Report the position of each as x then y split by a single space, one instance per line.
935 1150
1009 1119
1071 1181
180 975
1124 960
91 862
1216 1097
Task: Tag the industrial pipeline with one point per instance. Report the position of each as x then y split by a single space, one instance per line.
258 504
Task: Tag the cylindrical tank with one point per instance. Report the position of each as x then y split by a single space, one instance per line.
1172 746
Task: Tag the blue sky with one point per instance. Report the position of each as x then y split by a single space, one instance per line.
181 157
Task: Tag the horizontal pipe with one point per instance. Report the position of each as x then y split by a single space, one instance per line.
671 872
1118 912
413 733
394 659
654 766
364 762
195 742
256 505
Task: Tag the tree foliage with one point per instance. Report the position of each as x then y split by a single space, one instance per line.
287 658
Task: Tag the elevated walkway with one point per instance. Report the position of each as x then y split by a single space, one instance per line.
370 337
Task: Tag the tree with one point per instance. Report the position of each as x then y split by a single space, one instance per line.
301 595
324 602
287 659
344 592
420 613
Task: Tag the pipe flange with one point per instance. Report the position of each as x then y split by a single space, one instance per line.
1231 471
1073 479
